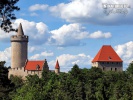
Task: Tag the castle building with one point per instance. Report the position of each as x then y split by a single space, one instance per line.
20 65
107 59
19 44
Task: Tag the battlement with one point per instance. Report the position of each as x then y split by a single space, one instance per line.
20 71
13 69
27 71
16 38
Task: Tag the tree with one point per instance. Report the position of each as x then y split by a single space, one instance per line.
5 84
7 8
16 80
122 91
76 72
130 69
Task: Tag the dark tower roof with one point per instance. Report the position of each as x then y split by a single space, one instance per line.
57 65
20 30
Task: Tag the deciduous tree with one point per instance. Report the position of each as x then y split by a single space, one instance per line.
7 8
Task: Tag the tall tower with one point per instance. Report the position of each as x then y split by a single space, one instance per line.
19 43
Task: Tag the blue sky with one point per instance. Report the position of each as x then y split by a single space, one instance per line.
72 31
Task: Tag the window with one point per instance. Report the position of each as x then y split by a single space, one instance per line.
103 68
109 58
37 67
115 69
111 69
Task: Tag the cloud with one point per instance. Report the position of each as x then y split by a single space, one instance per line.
66 61
5 37
42 55
38 7
38 32
72 34
33 14
66 35
6 56
99 34
32 49
92 11
125 51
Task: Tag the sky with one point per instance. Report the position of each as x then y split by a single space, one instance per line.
72 31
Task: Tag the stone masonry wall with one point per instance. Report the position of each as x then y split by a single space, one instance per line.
21 72
19 54
109 66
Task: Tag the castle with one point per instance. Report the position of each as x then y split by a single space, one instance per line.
107 59
20 65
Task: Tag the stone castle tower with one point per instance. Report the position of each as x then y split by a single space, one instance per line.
19 44
20 65
107 59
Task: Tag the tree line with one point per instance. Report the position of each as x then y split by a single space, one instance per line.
77 84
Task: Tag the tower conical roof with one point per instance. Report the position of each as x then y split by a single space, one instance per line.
20 30
57 65
107 54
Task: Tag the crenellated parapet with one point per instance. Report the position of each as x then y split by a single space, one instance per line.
18 68
19 38
20 71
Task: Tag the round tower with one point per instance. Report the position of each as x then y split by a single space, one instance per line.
19 44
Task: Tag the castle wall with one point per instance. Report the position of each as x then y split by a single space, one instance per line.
109 66
23 73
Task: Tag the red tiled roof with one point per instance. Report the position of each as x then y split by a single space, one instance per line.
34 65
57 65
107 54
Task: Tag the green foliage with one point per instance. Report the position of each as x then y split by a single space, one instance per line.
77 84
7 8
16 80
130 69
5 86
